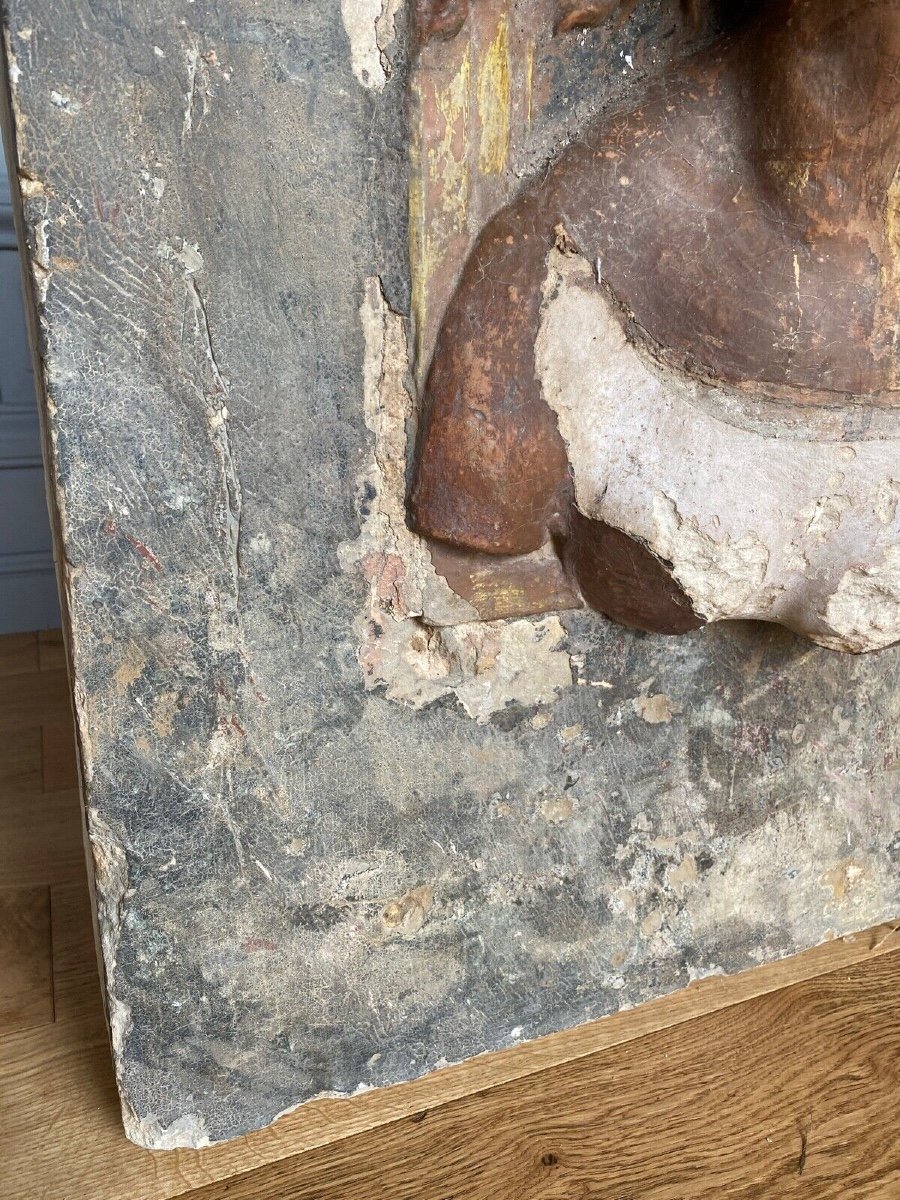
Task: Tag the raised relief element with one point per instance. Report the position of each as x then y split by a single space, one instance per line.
667 383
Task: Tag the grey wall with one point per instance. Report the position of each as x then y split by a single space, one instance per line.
28 598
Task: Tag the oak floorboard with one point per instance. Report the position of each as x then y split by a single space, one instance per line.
51 650
18 653
59 764
26 978
21 768
76 982
34 698
40 839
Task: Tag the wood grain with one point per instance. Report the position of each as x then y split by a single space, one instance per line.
20 762
76 982
34 698
18 653
59 765
51 650
26 980
41 839
790 1095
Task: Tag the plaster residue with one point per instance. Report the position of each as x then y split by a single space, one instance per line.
406 915
655 710
371 27
485 664
865 609
188 1132
760 508
719 574
887 500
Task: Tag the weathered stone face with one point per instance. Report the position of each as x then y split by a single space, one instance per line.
334 848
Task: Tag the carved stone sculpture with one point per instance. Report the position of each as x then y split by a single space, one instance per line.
667 383
345 829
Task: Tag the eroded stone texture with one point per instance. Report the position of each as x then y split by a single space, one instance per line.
306 887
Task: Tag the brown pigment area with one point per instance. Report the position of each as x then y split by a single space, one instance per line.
740 246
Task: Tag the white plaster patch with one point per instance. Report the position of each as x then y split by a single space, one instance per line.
720 575
822 517
758 506
887 500
186 1133
371 27
40 260
65 102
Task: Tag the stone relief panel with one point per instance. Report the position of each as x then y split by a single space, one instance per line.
656 346
365 797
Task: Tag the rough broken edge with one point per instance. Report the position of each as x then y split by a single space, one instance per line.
485 664
105 857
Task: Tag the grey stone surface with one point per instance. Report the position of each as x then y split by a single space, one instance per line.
305 886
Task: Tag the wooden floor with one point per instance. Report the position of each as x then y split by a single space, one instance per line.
782 1082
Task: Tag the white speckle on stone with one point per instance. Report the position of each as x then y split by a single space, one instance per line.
187 254
15 71
66 103
695 974
40 261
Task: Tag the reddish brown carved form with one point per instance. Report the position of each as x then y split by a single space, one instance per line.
582 14
766 160
439 18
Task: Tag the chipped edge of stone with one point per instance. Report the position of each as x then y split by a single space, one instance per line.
485 664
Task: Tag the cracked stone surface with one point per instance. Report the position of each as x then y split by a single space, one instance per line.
312 877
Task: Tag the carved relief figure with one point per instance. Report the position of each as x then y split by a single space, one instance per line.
667 385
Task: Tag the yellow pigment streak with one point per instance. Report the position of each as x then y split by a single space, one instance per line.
494 103
438 190
891 280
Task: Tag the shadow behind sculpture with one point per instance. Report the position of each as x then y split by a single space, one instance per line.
742 223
